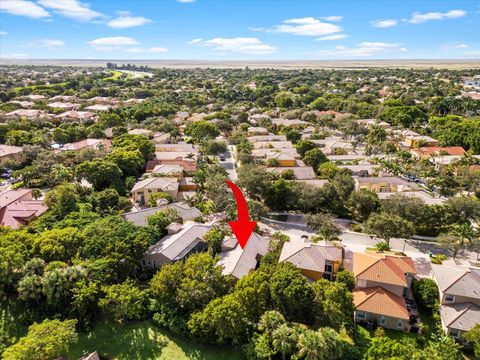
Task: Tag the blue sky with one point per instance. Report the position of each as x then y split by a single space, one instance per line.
239 30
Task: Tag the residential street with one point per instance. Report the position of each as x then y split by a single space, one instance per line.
358 242
229 163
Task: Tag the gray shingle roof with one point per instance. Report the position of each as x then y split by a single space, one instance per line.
239 262
173 246
309 256
184 211
461 316
457 280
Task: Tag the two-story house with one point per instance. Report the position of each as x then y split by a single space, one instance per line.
459 292
382 282
315 261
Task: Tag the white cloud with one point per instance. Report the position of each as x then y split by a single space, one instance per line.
45 43
384 23
418 18
3 33
155 49
240 45
332 37
362 50
308 26
52 43
125 20
23 8
123 43
72 9
15 56
455 46
332 18
112 43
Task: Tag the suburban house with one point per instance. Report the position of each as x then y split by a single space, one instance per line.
256 130
459 290
143 132
412 141
17 207
372 122
269 138
143 189
315 261
285 157
27 113
185 213
429 151
273 145
180 147
388 184
98 107
63 105
441 161
11 153
334 146
289 123
74 115
239 262
94 144
299 172
364 170
186 164
422 195
382 282
168 170
181 241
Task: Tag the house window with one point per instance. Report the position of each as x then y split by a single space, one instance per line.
153 263
449 298
361 314
399 323
328 268
383 320
144 262
454 333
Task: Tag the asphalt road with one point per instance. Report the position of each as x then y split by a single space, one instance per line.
358 242
229 164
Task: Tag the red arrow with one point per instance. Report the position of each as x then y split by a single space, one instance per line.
243 227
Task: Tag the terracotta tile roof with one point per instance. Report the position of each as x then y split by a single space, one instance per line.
17 208
377 300
429 150
383 268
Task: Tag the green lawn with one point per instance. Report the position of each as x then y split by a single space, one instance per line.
145 341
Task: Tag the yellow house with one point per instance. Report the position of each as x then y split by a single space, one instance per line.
384 184
315 261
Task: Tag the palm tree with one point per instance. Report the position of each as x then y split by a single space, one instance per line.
311 346
458 237
284 340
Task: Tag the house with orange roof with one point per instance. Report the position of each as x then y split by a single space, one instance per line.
382 282
428 151
17 208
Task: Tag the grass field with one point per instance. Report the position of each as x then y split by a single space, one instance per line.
145 341
115 76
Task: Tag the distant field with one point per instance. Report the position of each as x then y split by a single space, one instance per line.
321 64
